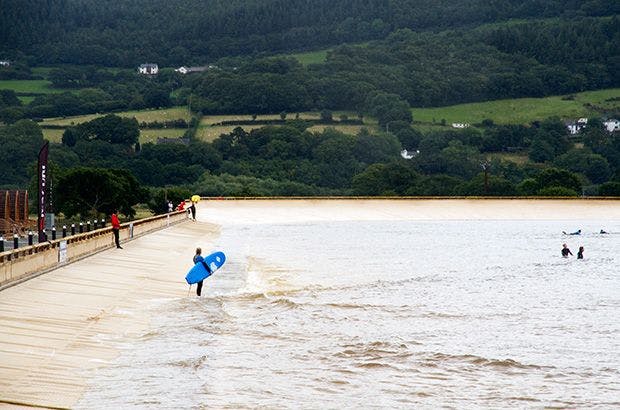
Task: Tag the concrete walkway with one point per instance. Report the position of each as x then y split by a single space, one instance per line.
57 325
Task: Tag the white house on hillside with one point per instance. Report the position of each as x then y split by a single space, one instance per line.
612 125
148 69
460 125
186 70
575 127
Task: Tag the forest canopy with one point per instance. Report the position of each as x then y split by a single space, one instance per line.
197 31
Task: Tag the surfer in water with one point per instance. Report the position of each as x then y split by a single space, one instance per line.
580 253
198 258
577 232
566 251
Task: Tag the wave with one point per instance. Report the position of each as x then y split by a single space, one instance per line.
442 358
195 363
259 292
265 277
440 315
286 303
375 350
280 299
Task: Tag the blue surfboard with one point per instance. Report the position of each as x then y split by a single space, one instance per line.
199 272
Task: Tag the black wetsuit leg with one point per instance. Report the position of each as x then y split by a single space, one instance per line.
116 238
199 288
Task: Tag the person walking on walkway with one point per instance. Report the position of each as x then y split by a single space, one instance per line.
116 227
192 210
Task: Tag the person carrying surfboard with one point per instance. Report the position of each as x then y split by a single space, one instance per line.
198 258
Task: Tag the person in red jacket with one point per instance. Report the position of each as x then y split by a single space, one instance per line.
116 227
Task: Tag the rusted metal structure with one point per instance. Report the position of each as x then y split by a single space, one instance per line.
14 212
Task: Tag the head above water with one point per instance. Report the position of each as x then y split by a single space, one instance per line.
198 251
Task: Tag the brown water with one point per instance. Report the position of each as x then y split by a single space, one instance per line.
385 314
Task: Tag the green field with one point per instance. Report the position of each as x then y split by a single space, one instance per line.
524 110
214 119
166 114
311 57
25 99
29 86
347 129
54 135
151 135
318 56
146 135
517 158
208 132
41 71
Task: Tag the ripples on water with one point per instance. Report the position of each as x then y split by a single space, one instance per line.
386 315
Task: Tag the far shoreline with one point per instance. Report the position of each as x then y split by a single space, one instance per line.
298 209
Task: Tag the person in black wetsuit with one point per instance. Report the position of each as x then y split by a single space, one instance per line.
566 251
198 258
580 253
192 210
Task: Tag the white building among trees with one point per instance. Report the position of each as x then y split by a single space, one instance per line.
148 69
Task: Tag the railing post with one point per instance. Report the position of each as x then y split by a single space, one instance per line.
15 241
53 233
30 236
64 231
72 229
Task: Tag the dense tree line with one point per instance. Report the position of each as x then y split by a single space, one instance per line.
20 144
382 78
91 31
426 69
98 171
95 90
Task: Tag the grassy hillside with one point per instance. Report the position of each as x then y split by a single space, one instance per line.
166 114
310 57
146 135
208 132
525 110
29 86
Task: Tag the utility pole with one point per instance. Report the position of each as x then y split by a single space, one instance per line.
485 167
